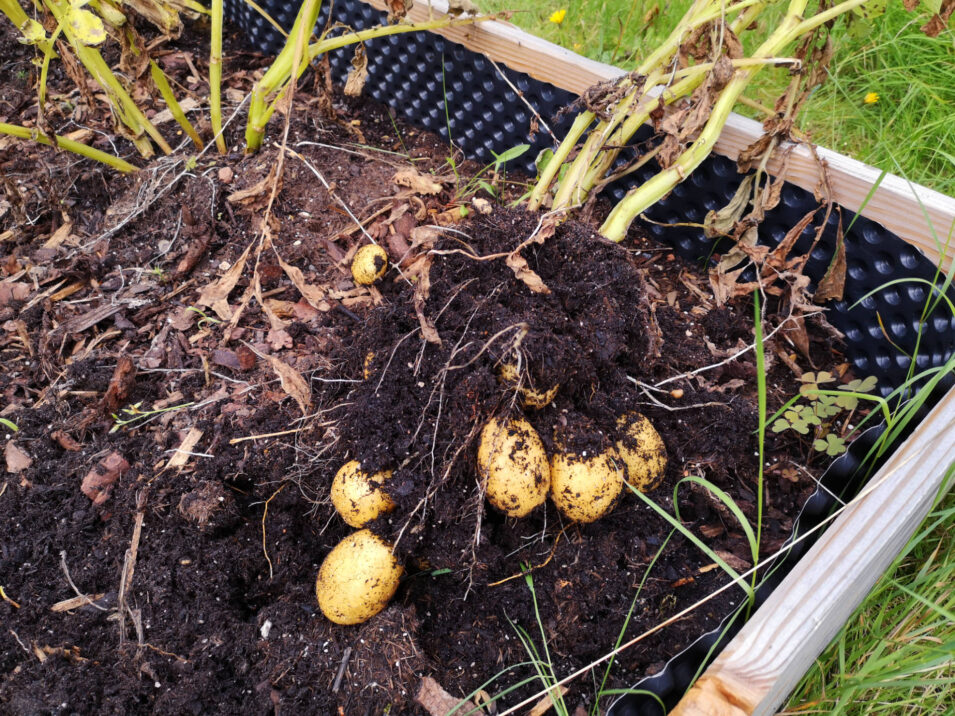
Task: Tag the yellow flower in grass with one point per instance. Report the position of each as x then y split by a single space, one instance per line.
871 98
558 16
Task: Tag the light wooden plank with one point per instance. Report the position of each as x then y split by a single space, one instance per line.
763 663
923 217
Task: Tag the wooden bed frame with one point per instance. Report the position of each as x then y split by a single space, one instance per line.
758 669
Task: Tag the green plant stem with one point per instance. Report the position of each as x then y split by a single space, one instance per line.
270 90
791 27
126 109
68 144
215 76
606 141
174 107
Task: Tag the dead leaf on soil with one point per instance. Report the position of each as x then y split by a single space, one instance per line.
438 702
734 561
292 383
419 271
98 482
257 195
216 294
315 295
418 183
17 459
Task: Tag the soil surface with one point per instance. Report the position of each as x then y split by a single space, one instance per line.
187 368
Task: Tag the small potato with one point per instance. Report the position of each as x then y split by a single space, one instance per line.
357 496
357 579
585 488
369 264
513 464
508 374
642 450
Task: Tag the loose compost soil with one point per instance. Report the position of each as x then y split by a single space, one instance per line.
183 399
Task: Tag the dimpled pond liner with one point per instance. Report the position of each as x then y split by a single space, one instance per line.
441 86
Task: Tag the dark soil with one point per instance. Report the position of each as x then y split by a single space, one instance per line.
198 567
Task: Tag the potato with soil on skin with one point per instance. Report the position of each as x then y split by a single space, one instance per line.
513 466
357 579
359 497
508 374
642 450
586 487
369 264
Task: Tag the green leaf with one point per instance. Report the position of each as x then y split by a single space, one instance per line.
9 424
864 385
849 402
781 425
832 446
509 154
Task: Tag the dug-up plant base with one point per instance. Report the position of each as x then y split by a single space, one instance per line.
182 402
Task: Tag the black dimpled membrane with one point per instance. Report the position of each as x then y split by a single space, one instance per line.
442 86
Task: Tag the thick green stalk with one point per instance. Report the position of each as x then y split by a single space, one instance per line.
174 107
215 76
593 161
123 105
638 200
70 145
581 122
603 162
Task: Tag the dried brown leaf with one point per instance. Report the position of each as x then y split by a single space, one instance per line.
358 73
518 264
438 702
722 221
833 284
292 383
420 272
257 195
216 294
65 441
315 295
417 182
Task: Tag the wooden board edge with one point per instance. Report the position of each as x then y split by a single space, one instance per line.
759 668
919 215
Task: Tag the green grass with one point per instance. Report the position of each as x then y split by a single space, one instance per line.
913 75
896 655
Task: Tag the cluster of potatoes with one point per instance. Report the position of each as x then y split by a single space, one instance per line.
360 575
518 476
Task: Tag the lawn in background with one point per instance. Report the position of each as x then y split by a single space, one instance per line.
913 76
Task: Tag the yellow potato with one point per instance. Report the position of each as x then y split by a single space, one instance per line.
369 264
357 496
642 450
357 578
585 487
508 374
513 465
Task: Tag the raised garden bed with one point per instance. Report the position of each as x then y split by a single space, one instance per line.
223 587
